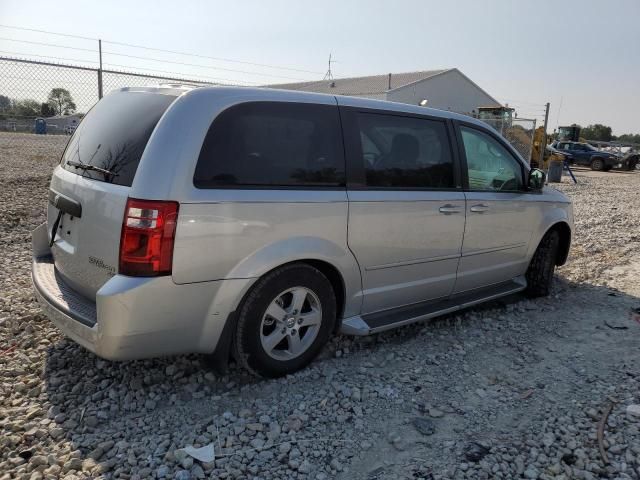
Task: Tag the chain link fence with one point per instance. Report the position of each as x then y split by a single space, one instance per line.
41 103
519 133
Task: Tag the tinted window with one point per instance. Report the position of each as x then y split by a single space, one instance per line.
113 135
490 166
273 144
405 152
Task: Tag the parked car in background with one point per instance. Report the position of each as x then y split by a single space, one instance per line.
260 222
584 154
630 160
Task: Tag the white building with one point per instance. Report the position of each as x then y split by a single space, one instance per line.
447 89
58 124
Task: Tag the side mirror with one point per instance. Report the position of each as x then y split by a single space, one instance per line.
536 179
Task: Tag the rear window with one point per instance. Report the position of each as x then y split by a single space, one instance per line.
275 144
113 135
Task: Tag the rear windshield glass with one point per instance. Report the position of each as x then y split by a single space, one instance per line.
113 136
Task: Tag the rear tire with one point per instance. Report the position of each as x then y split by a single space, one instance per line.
597 164
543 264
276 334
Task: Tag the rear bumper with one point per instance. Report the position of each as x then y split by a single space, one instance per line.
134 318
69 311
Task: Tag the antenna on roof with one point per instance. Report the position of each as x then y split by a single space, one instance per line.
329 75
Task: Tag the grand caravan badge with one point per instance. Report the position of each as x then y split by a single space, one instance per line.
98 262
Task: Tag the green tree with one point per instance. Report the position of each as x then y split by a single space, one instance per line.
629 137
47 110
26 108
61 101
5 104
598 132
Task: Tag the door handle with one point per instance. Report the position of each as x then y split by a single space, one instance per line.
479 208
448 209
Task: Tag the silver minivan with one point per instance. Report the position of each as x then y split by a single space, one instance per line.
256 223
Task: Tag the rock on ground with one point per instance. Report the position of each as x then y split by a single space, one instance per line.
513 389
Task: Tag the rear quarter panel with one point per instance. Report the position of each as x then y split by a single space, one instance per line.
243 234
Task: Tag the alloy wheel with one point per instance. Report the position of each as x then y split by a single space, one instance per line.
291 323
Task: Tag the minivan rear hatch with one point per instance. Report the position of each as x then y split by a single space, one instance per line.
89 190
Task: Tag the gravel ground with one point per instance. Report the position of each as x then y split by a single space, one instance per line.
514 389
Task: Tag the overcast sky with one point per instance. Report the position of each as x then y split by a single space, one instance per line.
582 56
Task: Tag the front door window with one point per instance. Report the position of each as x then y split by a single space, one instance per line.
490 166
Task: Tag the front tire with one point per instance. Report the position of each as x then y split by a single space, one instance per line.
597 164
285 320
542 267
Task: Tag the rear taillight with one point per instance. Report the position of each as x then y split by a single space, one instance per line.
148 231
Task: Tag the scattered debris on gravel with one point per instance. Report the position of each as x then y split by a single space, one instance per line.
514 389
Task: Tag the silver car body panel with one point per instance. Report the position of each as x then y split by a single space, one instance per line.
497 232
408 250
94 237
136 317
246 239
356 325
391 248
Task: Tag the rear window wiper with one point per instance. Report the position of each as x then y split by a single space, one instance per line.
86 166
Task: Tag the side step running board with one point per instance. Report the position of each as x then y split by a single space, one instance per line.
397 317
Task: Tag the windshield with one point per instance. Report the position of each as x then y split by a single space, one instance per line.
114 134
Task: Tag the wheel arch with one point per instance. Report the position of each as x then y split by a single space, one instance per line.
564 231
337 283
325 267
557 217
224 350
335 261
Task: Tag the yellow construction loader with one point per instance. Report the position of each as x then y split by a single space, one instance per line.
549 154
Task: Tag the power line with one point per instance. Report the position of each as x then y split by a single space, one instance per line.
265 65
92 50
153 59
214 58
522 102
47 56
178 76
45 31
196 77
200 66
526 112
526 107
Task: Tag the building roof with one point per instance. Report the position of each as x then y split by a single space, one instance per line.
371 85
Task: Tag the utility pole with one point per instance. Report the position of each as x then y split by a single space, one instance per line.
544 136
328 75
100 70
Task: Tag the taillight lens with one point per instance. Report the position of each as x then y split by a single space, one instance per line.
148 232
